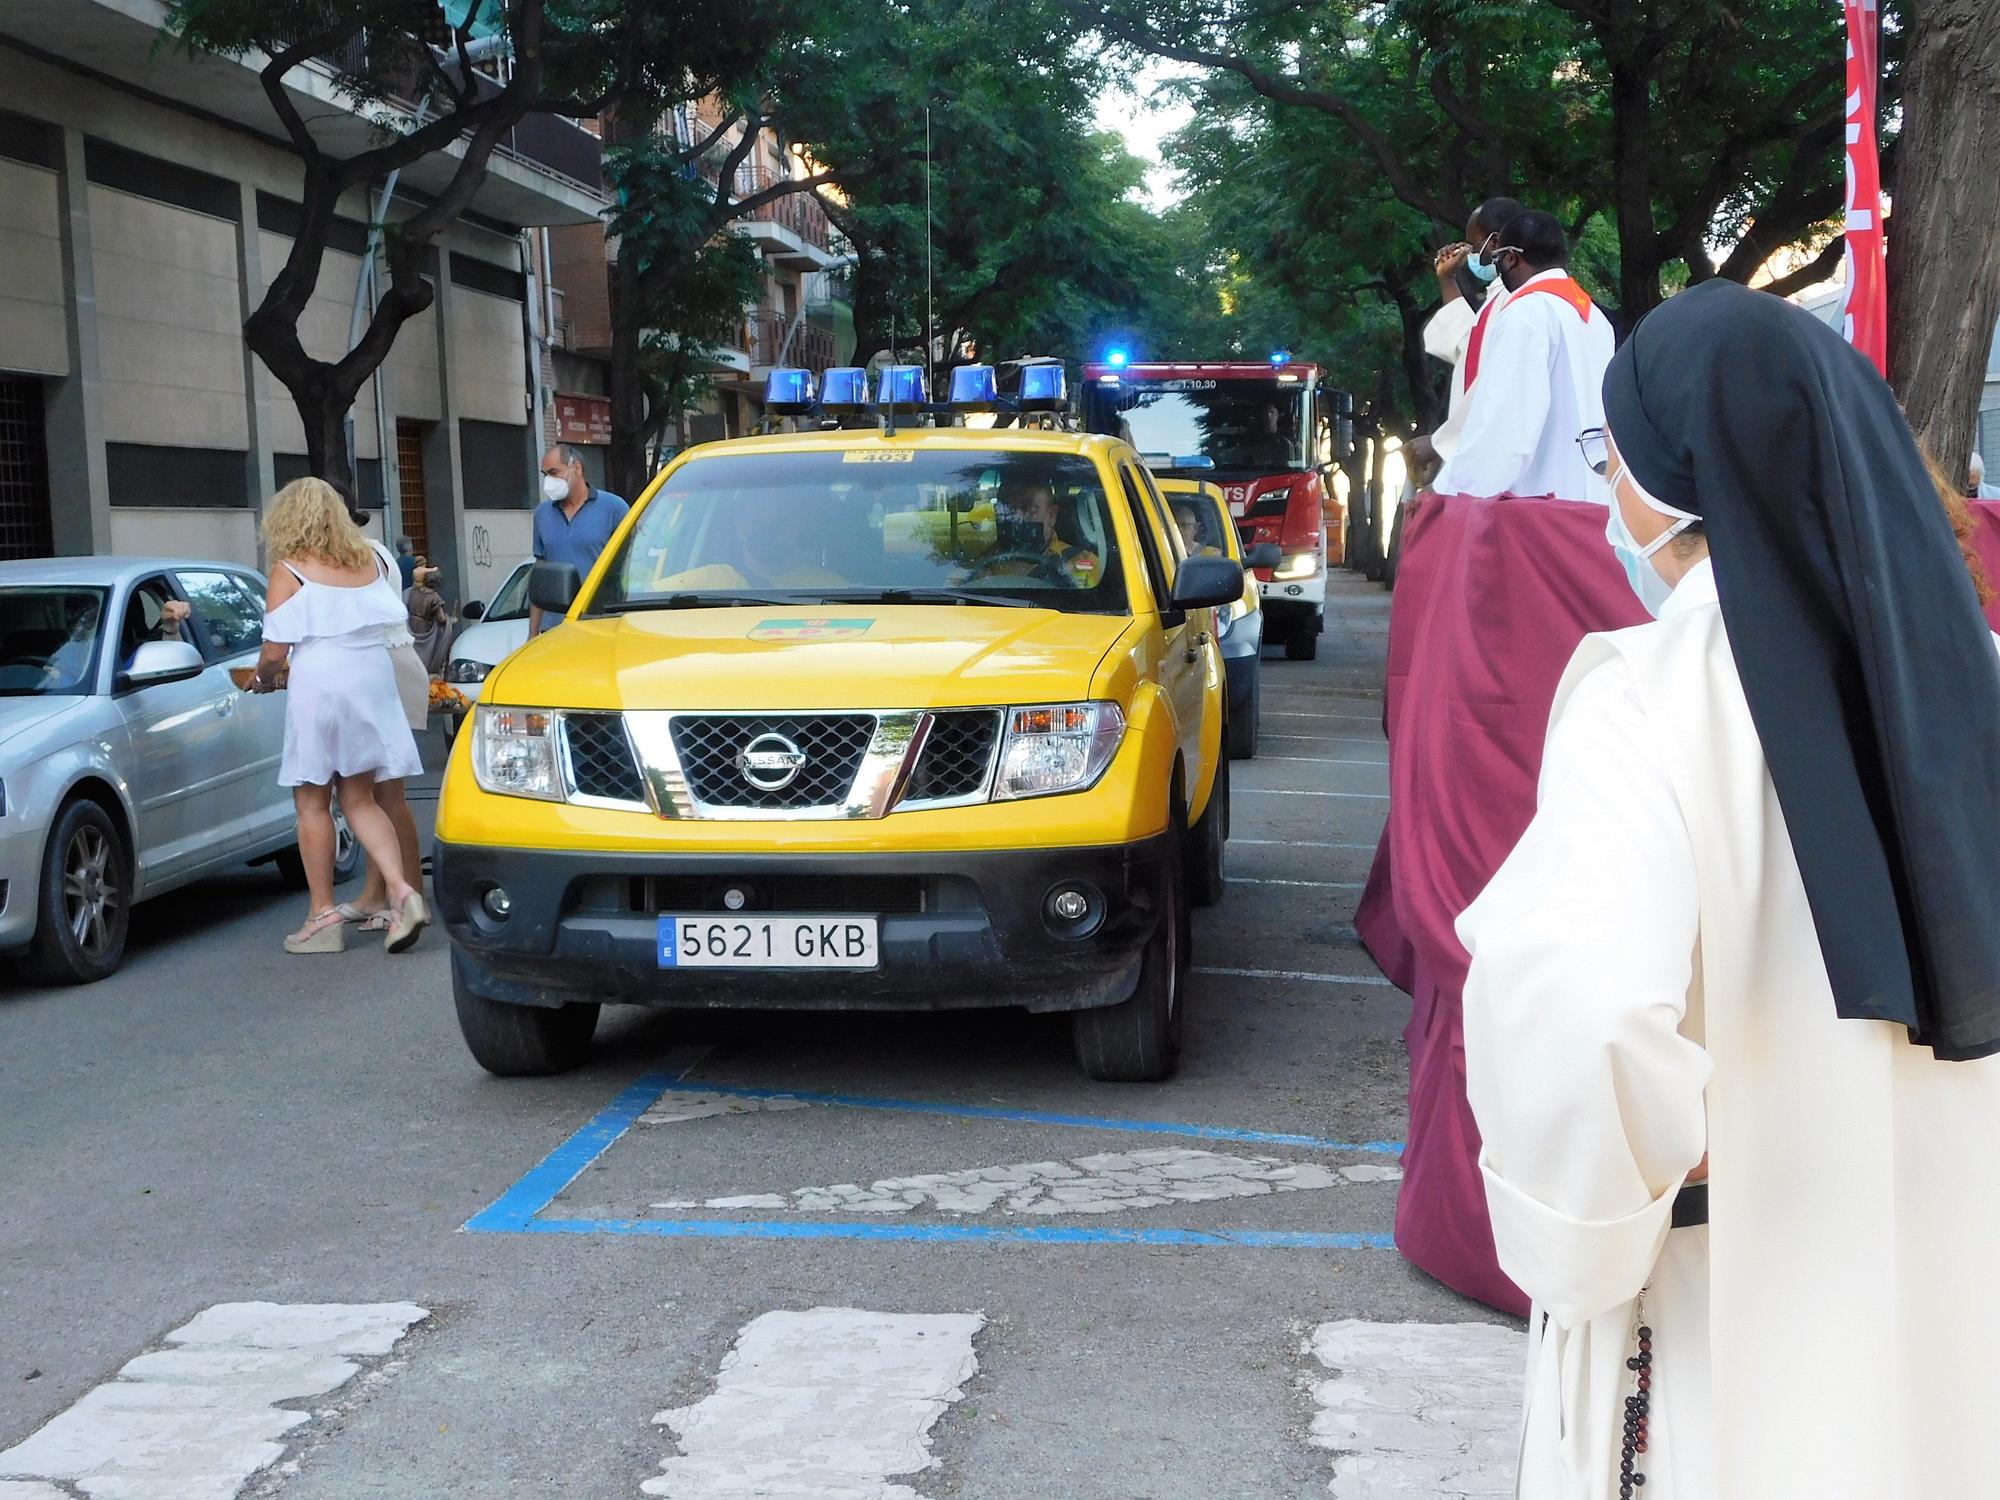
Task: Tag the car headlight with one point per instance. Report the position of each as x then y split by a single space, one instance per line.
461 669
1057 747
1297 565
514 752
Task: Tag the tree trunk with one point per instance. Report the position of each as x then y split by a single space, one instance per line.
1944 237
625 463
1632 191
324 415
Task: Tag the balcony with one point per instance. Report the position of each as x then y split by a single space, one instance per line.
764 339
793 231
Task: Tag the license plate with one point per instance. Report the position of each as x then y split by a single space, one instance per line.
712 942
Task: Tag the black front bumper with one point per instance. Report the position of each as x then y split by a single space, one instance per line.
965 930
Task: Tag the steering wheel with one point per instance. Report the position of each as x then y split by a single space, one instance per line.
1040 565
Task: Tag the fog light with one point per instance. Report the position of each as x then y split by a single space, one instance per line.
499 905
1071 906
1073 910
735 898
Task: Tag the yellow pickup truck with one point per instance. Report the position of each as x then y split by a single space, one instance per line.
852 719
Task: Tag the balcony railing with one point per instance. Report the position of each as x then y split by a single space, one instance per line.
764 331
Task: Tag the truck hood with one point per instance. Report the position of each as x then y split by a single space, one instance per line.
774 659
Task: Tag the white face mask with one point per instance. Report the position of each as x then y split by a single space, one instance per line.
555 488
1653 589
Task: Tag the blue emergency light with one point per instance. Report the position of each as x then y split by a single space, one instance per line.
788 392
901 385
1280 357
974 387
844 388
1043 388
1116 358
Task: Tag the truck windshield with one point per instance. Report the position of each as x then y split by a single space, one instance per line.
1255 426
874 522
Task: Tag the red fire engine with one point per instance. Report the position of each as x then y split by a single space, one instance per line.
1268 433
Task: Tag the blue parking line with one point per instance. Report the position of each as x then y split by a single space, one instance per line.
1043 1117
519 1209
1036 1234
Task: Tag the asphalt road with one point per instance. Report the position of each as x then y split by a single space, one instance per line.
221 1123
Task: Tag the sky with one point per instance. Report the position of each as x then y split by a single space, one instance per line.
1131 112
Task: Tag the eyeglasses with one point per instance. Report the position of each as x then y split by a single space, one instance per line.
1596 450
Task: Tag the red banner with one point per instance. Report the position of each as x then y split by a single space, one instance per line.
1865 314
582 419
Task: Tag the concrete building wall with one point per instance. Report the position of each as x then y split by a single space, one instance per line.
489 358
34 339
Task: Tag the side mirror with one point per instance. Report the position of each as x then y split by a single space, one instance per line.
156 662
1264 555
553 587
1206 582
474 610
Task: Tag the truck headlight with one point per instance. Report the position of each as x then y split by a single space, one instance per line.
1057 747
1297 565
514 752
461 669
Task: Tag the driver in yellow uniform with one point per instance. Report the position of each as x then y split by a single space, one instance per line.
1035 502
1193 532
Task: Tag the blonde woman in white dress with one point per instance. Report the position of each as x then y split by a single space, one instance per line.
330 598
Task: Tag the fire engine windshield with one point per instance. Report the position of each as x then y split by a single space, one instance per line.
1248 425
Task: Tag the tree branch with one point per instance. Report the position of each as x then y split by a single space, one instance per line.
743 207
1815 270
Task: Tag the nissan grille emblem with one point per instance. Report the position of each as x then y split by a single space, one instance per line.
770 762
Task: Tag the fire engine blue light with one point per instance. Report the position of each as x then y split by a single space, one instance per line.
1281 357
844 386
1043 387
1117 359
974 385
901 385
788 390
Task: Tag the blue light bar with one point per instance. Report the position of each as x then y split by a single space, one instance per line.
1281 357
1043 388
844 388
974 386
788 392
1117 358
901 385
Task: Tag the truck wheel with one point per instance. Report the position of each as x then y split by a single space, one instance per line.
84 905
1205 843
1139 1040
522 1041
1303 643
1243 726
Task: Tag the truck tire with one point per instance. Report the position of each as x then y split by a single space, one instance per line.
84 900
1243 726
1139 1039
1206 843
1303 643
522 1041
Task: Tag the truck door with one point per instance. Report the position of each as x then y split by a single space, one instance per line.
1184 663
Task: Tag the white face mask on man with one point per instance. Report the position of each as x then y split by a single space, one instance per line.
555 488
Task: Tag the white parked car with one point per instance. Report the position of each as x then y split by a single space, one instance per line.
130 763
499 629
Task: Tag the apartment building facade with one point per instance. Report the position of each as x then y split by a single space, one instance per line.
146 201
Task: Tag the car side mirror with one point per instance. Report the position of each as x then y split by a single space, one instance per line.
1264 555
156 662
1206 582
473 611
553 587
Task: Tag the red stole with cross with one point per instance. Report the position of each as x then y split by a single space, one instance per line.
1564 287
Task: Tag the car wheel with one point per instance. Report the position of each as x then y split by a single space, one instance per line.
522 1041
1243 726
346 855
1205 885
1139 1039
85 901
1303 643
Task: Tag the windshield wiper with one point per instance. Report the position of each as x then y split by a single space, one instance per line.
931 596
700 601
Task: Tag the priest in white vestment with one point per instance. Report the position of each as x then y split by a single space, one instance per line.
1449 331
1751 942
1532 374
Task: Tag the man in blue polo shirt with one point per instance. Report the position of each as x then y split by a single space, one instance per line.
574 521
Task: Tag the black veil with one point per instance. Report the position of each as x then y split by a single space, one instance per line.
1870 673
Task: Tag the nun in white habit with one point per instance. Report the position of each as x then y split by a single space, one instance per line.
1735 996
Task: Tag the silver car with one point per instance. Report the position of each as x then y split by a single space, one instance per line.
129 761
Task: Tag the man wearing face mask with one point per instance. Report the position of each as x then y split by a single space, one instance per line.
1533 374
574 522
1451 326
